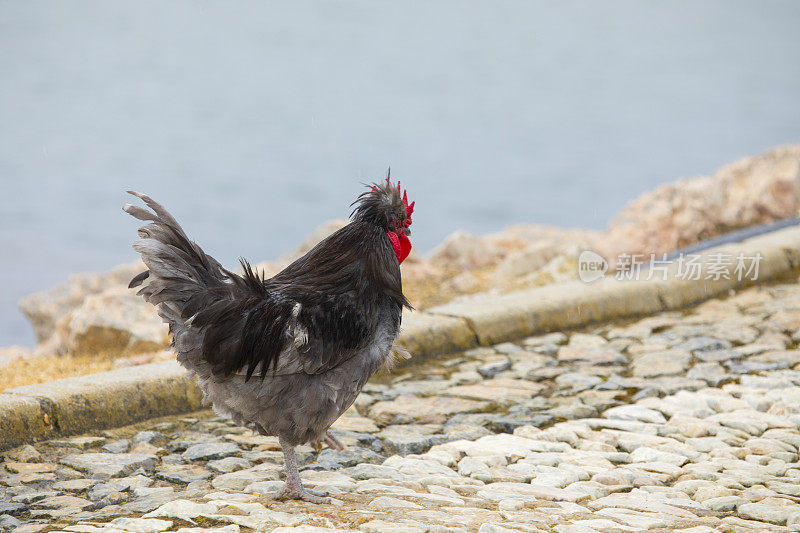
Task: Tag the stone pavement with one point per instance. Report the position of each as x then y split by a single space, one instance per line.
676 422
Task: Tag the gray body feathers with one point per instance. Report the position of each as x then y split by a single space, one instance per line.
287 355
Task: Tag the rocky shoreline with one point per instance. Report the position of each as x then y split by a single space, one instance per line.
95 314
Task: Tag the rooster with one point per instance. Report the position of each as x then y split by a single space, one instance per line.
289 354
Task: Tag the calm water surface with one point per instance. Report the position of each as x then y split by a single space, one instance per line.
256 121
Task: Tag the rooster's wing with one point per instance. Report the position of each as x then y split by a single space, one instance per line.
244 323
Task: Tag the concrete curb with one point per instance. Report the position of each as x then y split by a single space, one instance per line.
119 397
106 399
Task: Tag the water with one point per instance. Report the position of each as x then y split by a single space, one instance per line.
256 121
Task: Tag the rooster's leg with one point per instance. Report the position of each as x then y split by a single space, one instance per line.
293 488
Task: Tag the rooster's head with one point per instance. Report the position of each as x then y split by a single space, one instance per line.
383 205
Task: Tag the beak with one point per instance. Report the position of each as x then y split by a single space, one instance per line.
407 231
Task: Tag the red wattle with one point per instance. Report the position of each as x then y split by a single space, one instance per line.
401 245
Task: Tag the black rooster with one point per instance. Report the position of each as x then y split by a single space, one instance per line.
289 354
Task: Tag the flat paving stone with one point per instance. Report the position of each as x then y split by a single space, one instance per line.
105 465
208 451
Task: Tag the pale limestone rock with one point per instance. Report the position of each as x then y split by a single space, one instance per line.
389 502
747 192
142 525
635 412
114 320
522 262
44 309
230 528
465 251
182 509
408 407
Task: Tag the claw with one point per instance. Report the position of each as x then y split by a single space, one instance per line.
300 493
333 442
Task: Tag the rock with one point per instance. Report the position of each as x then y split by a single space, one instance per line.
711 373
464 251
13 508
75 485
115 320
474 468
770 510
598 355
102 490
9 523
182 510
645 454
750 191
237 481
183 474
388 502
147 436
62 502
531 258
490 369
710 492
508 423
417 467
210 450
703 344
665 363
573 411
370 471
32 496
502 391
506 348
230 528
229 464
575 382
355 423
24 454
719 356
503 490
105 465
496 528
724 503
29 468
407 439
82 443
329 459
44 309
149 501
554 338
142 525
408 407
118 446
635 412
466 282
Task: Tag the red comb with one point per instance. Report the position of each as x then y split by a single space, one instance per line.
409 208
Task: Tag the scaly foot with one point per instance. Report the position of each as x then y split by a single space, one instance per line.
334 443
290 492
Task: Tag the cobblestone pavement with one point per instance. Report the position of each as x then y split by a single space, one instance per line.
676 422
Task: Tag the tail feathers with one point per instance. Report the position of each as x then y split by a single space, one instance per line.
181 278
138 279
159 214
